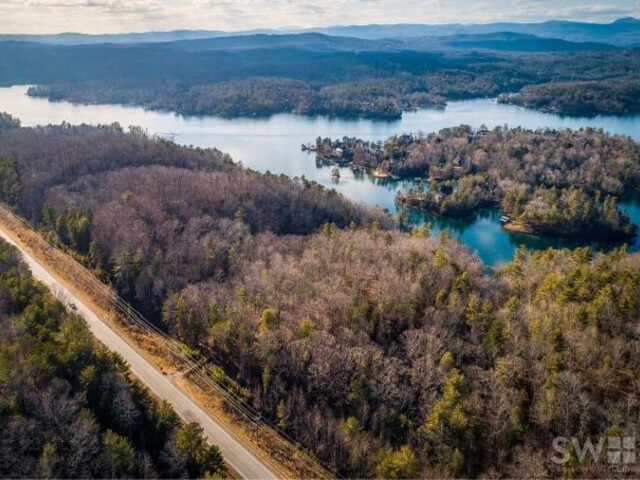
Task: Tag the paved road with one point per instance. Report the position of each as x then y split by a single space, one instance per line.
237 456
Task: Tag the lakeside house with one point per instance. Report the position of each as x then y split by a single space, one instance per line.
381 173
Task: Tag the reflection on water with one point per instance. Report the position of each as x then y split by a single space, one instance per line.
484 234
274 144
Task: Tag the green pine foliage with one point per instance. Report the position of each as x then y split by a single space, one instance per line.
69 408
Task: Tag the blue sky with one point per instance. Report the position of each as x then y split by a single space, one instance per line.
108 16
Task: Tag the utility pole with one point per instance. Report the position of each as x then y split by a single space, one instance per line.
257 423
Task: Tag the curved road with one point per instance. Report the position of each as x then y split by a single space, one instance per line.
245 463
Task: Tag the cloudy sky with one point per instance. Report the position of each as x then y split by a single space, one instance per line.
110 16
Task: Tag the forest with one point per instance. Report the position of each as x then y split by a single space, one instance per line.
70 409
7 122
550 182
608 97
174 204
265 96
307 74
389 354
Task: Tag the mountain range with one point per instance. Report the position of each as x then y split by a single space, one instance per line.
624 32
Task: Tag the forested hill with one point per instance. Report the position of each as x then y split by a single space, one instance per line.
177 203
308 57
607 97
307 73
505 41
69 408
622 32
388 354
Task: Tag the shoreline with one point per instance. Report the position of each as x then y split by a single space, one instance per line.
373 172
438 214
187 113
519 227
524 228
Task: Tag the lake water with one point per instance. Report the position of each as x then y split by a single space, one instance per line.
274 144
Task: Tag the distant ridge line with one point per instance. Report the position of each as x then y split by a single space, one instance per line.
621 32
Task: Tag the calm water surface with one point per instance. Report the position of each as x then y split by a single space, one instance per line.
274 144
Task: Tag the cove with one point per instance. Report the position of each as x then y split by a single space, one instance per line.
273 144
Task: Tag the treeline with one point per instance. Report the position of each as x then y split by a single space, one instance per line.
70 409
597 160
470 169
183 213
388 354
454 198
394 356
559 212
8 122
568 212
262 97
264 79
607 97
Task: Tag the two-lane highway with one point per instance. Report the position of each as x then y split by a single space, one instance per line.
241 459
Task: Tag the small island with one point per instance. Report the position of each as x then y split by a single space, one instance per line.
560 183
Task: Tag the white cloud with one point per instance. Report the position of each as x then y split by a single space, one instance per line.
101 16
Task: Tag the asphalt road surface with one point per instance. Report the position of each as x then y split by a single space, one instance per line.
245 463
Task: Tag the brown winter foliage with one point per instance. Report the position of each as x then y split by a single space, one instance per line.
388 354
557 182
69 409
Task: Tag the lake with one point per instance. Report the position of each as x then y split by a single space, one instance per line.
273 144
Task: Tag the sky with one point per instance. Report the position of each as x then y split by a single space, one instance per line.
116 16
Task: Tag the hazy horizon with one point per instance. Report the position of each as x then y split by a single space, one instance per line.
297 27
133 16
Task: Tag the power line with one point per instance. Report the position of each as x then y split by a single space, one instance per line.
124 310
